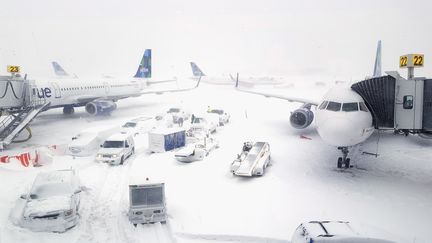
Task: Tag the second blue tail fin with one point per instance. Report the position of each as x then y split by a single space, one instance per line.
58 70
144 68
196 70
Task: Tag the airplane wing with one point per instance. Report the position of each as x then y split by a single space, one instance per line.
170 90
283 97
161 81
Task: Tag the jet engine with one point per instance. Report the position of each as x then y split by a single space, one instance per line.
100 107
301 118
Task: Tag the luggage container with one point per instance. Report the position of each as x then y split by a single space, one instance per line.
147 203
166 139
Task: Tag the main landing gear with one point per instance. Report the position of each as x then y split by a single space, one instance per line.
343 161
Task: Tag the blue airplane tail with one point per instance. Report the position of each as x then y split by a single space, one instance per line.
196 70
144 68
58 70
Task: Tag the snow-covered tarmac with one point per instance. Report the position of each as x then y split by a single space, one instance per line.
388 196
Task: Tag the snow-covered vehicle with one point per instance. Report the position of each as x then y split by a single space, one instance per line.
178 113
147 203
197 151
206 124
253 159
137 125
116 149
330 231
87 142
223 116
52 203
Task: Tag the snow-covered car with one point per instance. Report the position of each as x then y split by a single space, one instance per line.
253 159
197 151
52 203
206 124
178 113
116 149
330 231
137 125
87 142
223 116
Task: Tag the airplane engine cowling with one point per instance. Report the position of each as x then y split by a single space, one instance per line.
100 107
301 118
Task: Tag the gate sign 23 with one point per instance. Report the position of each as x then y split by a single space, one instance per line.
13 69
411 60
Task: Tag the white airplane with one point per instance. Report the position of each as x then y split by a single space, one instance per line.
229 80
98 96
342 118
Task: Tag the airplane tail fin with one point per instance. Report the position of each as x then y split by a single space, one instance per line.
196 70
377 67
144 68
58 70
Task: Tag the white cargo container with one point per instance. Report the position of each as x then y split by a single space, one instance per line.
166 139
147 203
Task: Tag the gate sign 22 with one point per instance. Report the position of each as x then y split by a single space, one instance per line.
411 60
13 69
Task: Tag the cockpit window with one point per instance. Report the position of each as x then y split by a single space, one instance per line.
334 106
323 105
363 107
353 106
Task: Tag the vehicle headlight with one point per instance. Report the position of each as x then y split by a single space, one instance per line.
99 155
68 213
115 155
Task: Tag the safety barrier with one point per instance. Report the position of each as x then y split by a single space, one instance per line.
35 158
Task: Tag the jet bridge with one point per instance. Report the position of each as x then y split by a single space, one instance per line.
397 103
19 104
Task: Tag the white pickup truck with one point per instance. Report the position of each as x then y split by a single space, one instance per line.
253 159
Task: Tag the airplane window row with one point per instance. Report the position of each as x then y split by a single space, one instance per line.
85 87
347 107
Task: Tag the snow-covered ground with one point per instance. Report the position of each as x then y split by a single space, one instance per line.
388 196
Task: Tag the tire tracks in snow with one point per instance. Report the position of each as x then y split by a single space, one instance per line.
105 219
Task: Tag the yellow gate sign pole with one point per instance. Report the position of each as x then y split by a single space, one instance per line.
411 61
13 69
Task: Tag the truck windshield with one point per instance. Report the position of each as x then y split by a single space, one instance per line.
147 196
129 124
113 144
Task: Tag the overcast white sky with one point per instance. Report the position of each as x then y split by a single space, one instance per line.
317 39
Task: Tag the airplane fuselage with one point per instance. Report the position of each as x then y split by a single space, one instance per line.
77 92
342 118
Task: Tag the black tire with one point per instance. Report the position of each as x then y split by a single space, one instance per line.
339 163
122 160
135 225
347 163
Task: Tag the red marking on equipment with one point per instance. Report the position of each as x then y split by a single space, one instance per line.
304 137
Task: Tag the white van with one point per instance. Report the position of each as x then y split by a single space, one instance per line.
116 149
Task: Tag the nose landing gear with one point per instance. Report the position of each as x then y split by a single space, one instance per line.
344 160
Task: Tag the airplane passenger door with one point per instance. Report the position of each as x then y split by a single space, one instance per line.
107 87
57 91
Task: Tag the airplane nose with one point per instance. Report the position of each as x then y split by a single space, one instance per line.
341 132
